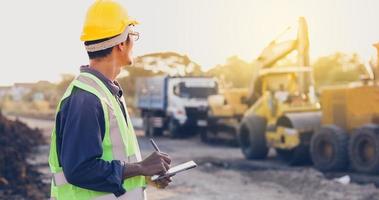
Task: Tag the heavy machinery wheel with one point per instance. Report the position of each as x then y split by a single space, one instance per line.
252 137
329 149
364 149
174 129
298 155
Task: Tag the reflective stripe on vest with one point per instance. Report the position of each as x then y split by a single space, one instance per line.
119 153
124 146
59 179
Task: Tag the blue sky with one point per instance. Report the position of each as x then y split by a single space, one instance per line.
40 39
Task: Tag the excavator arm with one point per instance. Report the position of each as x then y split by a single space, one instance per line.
276 51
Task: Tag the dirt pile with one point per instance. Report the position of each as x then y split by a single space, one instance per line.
18 179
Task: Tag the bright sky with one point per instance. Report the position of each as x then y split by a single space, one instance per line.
40 39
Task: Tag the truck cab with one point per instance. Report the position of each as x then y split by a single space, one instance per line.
187 99
176 104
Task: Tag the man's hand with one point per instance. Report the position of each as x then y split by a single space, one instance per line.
160 183
156 164
163 182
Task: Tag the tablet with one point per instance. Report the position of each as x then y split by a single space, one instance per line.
174 170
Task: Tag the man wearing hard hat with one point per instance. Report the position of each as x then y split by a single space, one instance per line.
94 152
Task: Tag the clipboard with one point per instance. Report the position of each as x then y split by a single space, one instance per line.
174 170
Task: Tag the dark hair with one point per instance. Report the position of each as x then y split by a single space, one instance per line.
101 53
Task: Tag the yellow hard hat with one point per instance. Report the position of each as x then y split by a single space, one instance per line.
105 18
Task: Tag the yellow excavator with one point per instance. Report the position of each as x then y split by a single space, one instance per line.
284 93
342 132
283 111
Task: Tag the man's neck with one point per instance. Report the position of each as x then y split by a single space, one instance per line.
105 66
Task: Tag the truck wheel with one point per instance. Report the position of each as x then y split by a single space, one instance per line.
364 149
252 137
174 128
204 135
329 149
157 131
147 127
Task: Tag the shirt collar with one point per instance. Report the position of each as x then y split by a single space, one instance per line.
114 86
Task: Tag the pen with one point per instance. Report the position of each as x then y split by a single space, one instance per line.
154 145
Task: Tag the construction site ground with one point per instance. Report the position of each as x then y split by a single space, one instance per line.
223 173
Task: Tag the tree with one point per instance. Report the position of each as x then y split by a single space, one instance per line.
162 63
338 68
128 82
170 63
234 73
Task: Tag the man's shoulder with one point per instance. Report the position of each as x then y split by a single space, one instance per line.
80 97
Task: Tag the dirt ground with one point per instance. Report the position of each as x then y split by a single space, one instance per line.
223 173
18 179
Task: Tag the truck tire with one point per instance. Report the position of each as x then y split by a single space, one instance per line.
251 135
175 129
204 135
329 149
364 149
147 126
149 130
157 131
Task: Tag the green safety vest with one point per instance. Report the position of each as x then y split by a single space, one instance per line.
119 143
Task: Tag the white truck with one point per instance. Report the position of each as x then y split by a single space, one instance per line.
176 104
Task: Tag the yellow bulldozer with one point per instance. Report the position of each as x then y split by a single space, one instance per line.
349 135
225 113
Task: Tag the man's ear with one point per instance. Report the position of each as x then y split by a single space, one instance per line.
122 46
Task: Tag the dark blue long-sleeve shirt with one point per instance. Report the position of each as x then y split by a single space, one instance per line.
80 129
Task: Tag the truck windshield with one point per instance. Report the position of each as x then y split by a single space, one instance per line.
196 92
